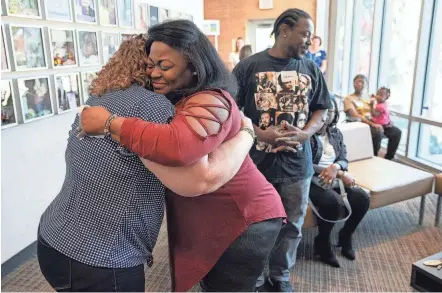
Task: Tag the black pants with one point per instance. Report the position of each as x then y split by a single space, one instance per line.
244 260
331 207
67 275
394 138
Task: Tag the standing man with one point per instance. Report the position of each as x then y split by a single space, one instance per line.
291 171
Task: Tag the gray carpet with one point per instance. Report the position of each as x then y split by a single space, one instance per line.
388 241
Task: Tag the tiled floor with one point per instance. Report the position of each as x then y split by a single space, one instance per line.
388 241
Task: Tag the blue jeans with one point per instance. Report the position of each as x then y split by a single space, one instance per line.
283 257
67 275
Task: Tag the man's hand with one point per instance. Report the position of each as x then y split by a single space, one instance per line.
297 136
328 175
272 133
285 148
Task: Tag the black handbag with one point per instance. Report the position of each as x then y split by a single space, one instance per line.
337 183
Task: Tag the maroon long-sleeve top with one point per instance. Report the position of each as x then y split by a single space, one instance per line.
202 228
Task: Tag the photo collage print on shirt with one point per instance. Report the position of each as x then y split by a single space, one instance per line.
281 96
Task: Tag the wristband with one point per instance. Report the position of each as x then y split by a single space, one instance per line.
108 123
249 131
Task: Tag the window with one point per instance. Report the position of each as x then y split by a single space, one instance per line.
342 41
339 61
397 44
432 104
430 144
402 124
365 36
398 51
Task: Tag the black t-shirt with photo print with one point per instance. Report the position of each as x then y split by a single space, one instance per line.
272 90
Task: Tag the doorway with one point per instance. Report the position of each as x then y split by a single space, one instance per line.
258 34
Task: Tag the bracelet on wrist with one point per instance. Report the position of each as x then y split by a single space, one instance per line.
249 131
108 123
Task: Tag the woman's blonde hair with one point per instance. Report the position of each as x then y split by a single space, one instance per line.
126 67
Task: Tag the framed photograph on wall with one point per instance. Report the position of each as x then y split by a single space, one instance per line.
153 13
125 13
35 98
24 8
110 45
124 37
67 91
88 48
211 27
9 117
28 47
85 11
63 53
176 15
58 10
86 81
6 65
164 14
141 15
188 17
108 12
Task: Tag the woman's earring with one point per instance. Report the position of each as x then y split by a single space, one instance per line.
195 73
285 36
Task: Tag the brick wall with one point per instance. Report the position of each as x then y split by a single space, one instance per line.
235 14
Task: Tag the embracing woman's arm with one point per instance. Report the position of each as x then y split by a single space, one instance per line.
198 127
210 172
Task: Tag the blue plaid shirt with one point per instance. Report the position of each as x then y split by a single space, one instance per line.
110 208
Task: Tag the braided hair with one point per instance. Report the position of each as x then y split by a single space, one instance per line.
387 91
289 17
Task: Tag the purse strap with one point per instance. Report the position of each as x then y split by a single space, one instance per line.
344 198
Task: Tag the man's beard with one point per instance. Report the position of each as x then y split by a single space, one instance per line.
293 52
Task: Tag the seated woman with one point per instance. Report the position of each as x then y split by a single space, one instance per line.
101 228
223 238
357 106
330 162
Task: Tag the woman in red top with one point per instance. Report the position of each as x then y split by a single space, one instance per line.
223 238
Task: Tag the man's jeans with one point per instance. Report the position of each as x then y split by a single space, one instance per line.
283 257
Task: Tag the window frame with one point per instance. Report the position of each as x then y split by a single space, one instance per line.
426 51
432 54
